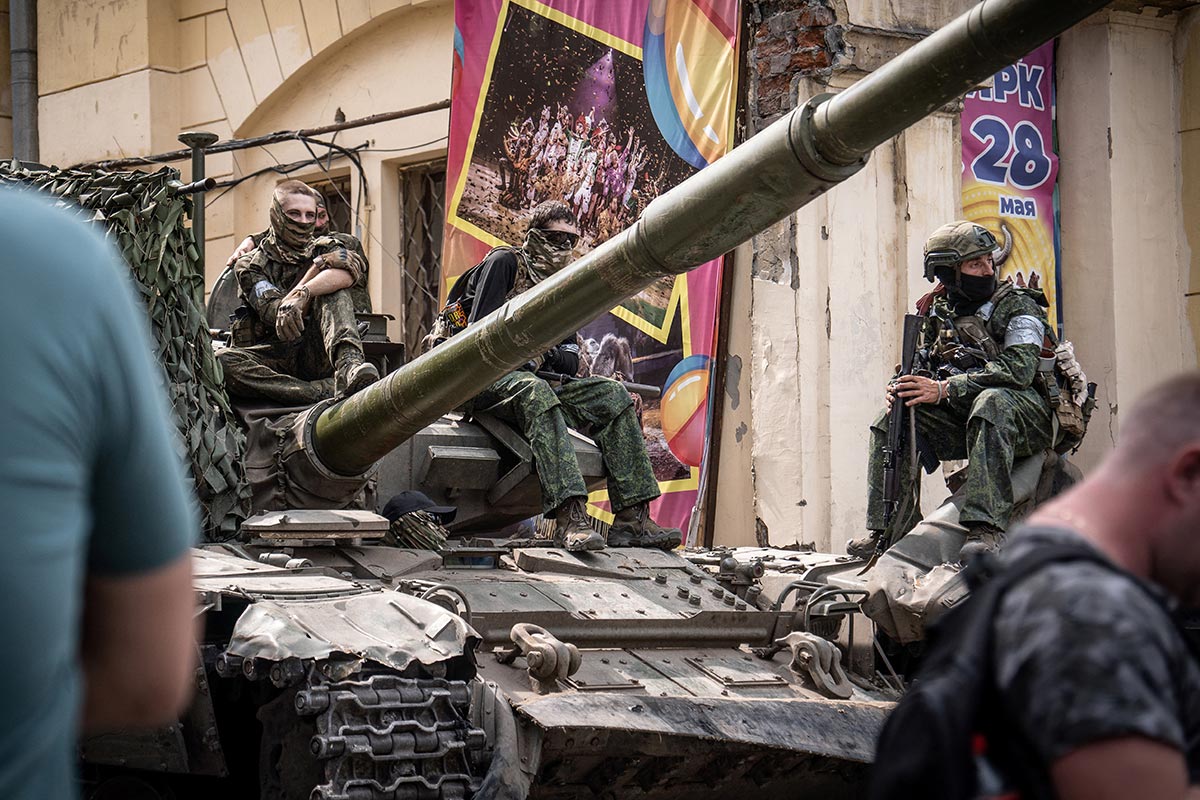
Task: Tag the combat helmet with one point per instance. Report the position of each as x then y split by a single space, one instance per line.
954 243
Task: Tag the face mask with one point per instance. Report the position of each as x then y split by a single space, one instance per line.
549 251
978 287
291 240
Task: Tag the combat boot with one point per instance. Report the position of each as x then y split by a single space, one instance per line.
982 537
865 546
351 373
632 527
572 529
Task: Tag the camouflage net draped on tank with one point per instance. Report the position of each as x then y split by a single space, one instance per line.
144 218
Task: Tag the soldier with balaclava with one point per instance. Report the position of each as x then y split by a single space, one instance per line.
984 342
296 339
543 413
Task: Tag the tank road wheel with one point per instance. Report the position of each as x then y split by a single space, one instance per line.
384 736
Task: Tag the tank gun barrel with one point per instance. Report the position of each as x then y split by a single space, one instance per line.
776 172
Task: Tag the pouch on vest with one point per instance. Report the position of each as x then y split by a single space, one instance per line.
244 327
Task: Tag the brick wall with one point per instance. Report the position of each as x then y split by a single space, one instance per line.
788 40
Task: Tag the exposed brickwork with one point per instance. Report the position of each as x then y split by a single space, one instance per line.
788 39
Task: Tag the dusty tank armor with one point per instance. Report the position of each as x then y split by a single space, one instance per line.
335 667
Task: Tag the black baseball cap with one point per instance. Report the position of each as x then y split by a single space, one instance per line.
408 502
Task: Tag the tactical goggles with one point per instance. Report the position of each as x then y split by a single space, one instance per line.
562 240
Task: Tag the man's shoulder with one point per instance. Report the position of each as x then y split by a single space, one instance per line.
255 259
503 258
335 239
503 254
1077 611
1065 583
1020 301
67 249
1084 652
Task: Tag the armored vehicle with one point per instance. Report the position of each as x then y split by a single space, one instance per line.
334 666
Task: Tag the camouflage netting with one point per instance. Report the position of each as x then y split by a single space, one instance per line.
145 219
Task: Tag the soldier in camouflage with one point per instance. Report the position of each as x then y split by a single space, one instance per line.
986 340
543 413
276 355
326 240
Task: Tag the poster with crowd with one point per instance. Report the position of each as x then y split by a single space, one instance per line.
603 106
1010 170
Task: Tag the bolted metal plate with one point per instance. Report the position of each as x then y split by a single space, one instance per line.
317 524
604 563
736 670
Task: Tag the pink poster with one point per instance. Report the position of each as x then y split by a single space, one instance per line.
1010 170
602 105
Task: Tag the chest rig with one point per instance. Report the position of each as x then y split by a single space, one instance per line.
962 344
453 317
958 344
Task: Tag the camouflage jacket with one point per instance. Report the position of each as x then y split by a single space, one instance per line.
1015 322
263 282
1083 653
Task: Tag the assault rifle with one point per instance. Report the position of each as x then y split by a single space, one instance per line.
901 431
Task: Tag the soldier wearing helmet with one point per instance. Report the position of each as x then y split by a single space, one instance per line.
977 397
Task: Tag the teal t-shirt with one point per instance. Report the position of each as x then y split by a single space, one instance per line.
90 481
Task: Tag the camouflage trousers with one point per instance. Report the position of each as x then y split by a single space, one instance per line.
993 429
598 406
295 373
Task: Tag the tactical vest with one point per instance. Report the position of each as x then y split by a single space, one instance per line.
972 328
1060 378
452 319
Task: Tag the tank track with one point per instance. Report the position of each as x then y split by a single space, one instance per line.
390 738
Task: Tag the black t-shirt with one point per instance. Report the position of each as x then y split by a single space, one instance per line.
1083 654
483 288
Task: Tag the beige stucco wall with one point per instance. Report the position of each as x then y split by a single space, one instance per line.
1125 255
1187 53
132 74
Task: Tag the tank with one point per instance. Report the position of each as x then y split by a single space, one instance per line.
334 666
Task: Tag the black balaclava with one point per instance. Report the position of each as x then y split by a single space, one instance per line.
287 240
545 259
966 293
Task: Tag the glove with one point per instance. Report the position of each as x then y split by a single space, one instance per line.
343 259
289 319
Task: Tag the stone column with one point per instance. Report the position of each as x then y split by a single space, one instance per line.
1123 266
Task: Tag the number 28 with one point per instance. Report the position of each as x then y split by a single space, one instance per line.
1028 167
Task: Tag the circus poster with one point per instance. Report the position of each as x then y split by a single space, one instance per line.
1010 171
604 106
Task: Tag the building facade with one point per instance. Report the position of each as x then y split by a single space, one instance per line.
816 302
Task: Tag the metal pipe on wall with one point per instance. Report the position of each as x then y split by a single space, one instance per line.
22 28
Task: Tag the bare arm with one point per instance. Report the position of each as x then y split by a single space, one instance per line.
138 648
328 281
1131 766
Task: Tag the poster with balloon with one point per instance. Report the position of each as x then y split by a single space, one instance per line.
603 106
1010 171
